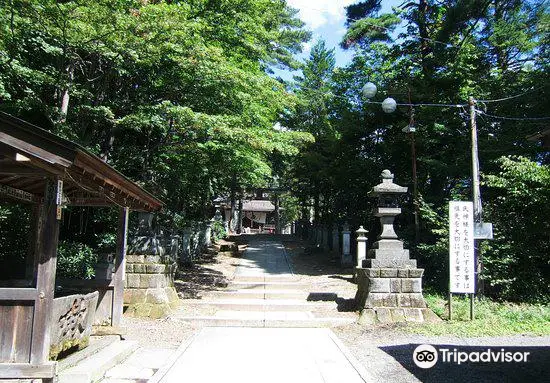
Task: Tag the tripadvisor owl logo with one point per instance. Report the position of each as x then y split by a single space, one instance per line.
425 356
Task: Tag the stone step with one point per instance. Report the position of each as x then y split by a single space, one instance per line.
97 343
230 318
261 304
266 278
261 294
139 367
93 368
267 285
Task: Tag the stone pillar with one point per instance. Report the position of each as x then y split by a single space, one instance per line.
346 246
208 234
361 246
389 285
146 241
335 239
185 253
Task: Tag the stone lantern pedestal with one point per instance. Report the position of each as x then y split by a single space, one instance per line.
389 285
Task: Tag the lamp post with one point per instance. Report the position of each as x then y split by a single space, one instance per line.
389 105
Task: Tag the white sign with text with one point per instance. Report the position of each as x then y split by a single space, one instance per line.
461 247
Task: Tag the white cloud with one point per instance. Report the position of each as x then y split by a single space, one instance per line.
316 13
306 47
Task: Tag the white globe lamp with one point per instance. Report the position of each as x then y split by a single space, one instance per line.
389 105
369 90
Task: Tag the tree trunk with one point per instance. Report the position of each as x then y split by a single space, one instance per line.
423 31
107 145
232 217
65 95
240 216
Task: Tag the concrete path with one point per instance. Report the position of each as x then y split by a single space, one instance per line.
252 355
265 354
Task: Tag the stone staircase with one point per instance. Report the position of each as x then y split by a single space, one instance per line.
260 299
91 364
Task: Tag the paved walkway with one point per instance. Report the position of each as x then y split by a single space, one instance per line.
265 354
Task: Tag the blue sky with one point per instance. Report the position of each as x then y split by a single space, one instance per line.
325 18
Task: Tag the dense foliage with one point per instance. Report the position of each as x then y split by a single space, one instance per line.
177 95
437 53
174 94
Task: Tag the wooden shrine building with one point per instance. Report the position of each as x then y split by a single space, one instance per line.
46 172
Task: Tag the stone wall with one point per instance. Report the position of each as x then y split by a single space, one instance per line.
149 286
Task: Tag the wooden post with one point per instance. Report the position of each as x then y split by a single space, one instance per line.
120 266
31 261
450 306
48 235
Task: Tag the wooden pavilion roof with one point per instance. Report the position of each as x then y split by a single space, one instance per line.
29 155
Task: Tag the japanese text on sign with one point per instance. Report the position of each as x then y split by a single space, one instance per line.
461 247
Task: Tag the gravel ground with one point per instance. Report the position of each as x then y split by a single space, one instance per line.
207 274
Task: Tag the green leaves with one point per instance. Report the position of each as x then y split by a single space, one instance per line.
173 93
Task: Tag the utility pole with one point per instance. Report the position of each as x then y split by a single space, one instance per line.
411 131
475 162
476 195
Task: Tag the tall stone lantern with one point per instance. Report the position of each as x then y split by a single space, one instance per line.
389 285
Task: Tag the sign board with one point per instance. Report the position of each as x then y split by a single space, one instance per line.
59 199
461 247
483 230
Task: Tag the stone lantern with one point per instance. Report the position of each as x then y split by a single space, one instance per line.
388 251
389 286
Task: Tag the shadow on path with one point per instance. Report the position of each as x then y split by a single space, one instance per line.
536 369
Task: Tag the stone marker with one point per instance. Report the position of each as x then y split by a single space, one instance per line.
346 248
389 285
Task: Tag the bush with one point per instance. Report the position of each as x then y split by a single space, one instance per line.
75 260
14 240
218 231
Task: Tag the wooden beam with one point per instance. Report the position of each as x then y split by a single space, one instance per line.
45 281
33 151
21 169
18 294
120 266
18 194
46 370
88 201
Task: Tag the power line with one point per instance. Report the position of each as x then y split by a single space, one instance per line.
423 104
513 118
511 97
